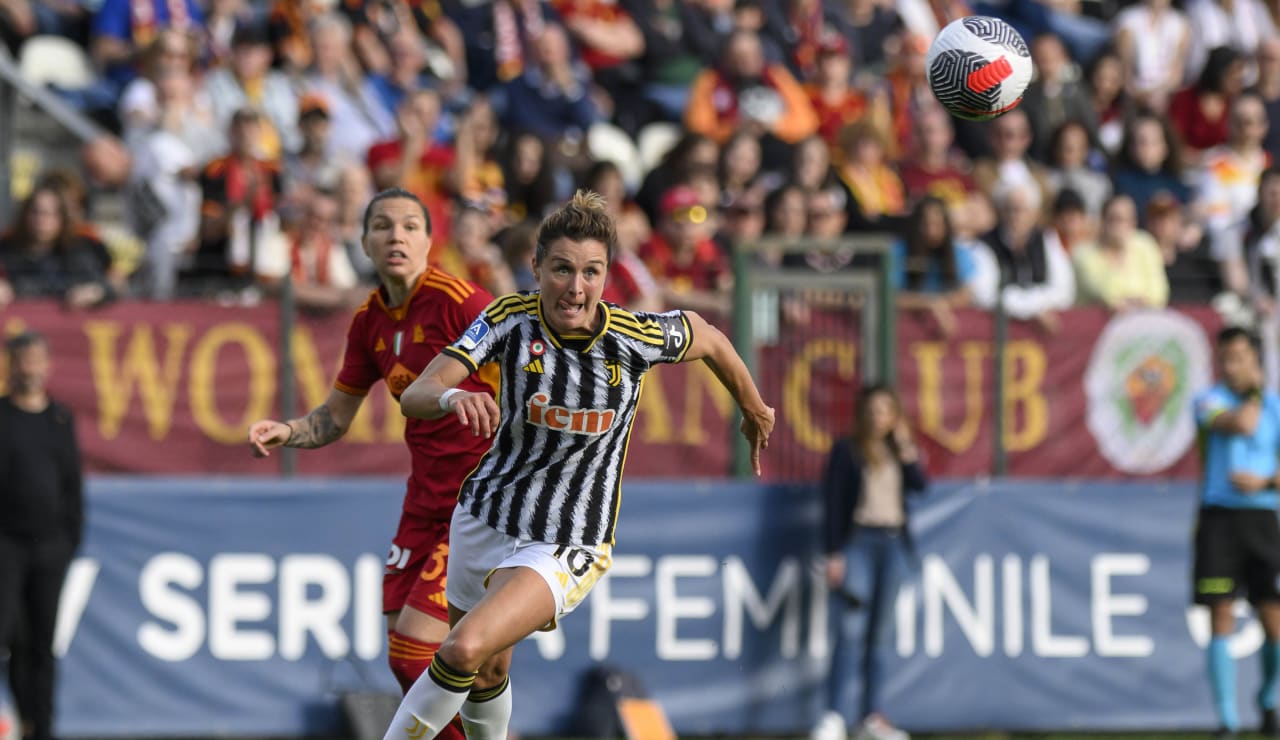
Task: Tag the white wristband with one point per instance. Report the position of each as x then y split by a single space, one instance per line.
446 398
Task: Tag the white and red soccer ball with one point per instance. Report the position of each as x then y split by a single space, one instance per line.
978 67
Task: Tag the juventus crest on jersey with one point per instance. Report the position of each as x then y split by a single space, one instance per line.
554 471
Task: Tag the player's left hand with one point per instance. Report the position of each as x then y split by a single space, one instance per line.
756 427
478 412
1248 482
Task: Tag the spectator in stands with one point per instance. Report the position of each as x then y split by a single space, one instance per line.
551 96
518 246
678 43
1032 273
500 36
1069 166
123 27
355 188
239 225
868 25
787 212
1241 25
630 284
408 71
288 22
1124 269
44 255
1249 254
170 53
222 19
970 222
742 219
935 168
692 151
832 93
632 225
877 197
336 76
769 21
70 187
40 532
316 261
1228 188
1149 162
811 167
611 45
1109 100
247 81
798 30
868 548
416 161
371 24
1199 113
745 92
534 184
1071 220
477 176
446 52
315 165
1056 95
688 265
1152 38
1011 164
1268 88
909 91
931 271
1236 538
827 212
472 254
740 163
1190 269
164 191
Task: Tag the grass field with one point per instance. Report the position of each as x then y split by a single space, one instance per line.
1062 736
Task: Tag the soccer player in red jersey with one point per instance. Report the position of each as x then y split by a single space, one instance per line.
417 311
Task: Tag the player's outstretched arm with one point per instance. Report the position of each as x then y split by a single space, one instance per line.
712 347
433 395
326 423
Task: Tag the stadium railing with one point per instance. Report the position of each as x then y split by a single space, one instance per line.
13 86
778 307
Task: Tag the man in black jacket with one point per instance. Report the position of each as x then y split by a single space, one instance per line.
42 503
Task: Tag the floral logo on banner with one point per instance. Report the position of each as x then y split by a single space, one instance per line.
1145 368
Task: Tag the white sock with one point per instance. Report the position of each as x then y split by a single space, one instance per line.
487 712
432 702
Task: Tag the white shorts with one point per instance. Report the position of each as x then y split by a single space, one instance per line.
476 550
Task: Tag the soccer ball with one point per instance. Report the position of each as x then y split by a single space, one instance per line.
978 67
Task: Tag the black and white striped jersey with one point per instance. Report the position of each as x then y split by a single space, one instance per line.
554 471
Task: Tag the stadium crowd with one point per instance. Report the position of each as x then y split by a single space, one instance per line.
250 135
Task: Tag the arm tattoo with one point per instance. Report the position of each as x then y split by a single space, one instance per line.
316 429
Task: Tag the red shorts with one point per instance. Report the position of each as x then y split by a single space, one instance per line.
416 568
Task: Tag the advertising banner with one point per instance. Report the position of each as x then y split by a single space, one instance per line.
250 606
1103 397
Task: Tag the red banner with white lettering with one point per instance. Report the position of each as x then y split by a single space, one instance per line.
172 388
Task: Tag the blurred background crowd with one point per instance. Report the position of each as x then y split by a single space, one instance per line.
247 136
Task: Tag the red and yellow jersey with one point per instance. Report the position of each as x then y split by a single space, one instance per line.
394 345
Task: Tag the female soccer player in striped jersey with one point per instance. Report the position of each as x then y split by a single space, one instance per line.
533 529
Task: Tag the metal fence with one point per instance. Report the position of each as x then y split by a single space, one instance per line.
781 303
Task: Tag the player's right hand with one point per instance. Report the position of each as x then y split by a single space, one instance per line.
835 570
756 427
478 412
266 435
1248 482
